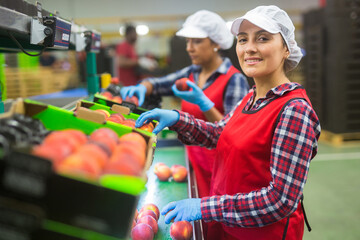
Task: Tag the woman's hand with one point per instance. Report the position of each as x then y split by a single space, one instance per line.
166 118
187 209
195 95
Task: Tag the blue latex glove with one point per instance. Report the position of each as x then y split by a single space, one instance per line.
166 118
138 90
195 96
187 209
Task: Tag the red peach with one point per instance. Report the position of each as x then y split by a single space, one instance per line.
53 152
142 231
179 173
149 220
131 152
108 95
133 100
63 137
103 111
106 136
147 127
129 122
181 84
115 119
147 212
80 165
117 99
162 171
96 151
134 139
181 230
125 166
153 207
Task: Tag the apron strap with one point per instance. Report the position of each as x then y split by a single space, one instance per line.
286 228
305 218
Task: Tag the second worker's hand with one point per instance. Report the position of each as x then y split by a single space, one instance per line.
195 96
138 90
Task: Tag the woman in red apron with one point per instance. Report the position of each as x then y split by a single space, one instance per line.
216 84
264 146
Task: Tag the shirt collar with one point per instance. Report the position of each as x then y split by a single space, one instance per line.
280 90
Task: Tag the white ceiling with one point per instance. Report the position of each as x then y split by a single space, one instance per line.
108 15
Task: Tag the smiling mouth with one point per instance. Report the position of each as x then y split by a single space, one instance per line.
253 60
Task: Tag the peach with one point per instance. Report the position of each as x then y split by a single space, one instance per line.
124 166
131 152
129 122
153 207
147 212
147 127
181 230
106 136
142 231
117 99
162 171
135 139
133 100
63 137
115 119
151 221
53 152
181 84
80 165
103 111
108 95
96 151
78 135
179 173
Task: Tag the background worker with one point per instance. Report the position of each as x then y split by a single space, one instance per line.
264 146
216 84
127 58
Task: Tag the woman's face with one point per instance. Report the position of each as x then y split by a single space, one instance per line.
259 52
201 50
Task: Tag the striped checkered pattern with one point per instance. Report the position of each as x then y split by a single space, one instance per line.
294 145
236 89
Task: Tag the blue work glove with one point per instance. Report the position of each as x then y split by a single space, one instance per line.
166 118
138 90
195 96
187 209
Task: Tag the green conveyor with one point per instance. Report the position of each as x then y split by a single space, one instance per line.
161 193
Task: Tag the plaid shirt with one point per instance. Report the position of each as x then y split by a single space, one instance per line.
236 89
294 145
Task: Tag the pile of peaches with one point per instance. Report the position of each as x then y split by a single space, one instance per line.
119 118
89 157
109 96
177 172
145 225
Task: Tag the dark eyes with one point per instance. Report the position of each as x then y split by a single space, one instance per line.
259 39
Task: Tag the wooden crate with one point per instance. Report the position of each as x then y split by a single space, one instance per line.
30 82
339 139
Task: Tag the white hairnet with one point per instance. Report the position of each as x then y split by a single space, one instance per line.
274 20
203 24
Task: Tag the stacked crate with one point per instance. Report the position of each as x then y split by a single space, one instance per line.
332 72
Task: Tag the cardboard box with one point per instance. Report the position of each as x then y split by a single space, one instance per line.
106 207
133 108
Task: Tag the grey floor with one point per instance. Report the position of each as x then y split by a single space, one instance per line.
332 193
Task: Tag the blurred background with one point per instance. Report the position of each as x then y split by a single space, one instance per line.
328 31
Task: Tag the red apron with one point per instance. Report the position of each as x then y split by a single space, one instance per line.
202 159
243 165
